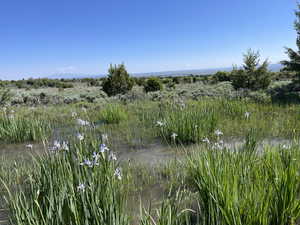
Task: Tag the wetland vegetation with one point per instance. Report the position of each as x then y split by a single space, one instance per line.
220 149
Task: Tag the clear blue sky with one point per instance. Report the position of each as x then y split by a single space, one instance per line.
39 37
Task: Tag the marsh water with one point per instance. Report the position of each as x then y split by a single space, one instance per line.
149 156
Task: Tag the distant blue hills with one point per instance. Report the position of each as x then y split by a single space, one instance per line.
272 67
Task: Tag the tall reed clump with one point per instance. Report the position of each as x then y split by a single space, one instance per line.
246 187
170 212
187 125
78 184
19 128
113 114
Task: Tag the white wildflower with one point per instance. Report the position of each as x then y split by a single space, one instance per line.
80 136
160 123
112 156
103 148
81 122
247 115
206 140
30 146
173 136
218 133
87 162
56 144
74 114
285 146
95 155
104 137
81 187
118 173
218 145
65 145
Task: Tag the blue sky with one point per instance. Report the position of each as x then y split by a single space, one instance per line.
39 38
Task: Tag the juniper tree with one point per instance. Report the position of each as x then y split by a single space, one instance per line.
293 64
118 81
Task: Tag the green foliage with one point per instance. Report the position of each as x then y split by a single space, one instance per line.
140 81
221 76
247 187
113 114
190 124
153 84
62 191
169 213
5 96
253 75
42 83
91 81
118 81
176 80
293 64
19 129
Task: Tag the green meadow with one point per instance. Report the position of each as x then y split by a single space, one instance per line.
213 161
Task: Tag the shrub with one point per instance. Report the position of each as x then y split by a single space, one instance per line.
153 84
221 76
5 96
252 76
176 80
118 81
140 81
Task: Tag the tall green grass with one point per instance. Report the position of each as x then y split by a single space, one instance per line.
19 129
190 125
113 114
194 121
246 187
170 212
66 190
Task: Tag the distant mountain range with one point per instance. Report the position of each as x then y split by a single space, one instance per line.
272 67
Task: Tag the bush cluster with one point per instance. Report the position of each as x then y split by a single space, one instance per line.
153 84
118 81
42 83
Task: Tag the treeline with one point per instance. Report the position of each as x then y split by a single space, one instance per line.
38 83
168 81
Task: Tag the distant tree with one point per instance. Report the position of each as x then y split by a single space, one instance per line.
176 80
252 75
294 63
118 81
153 84
221 76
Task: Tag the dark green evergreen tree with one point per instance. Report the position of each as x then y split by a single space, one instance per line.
252 75
293 64
118 81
